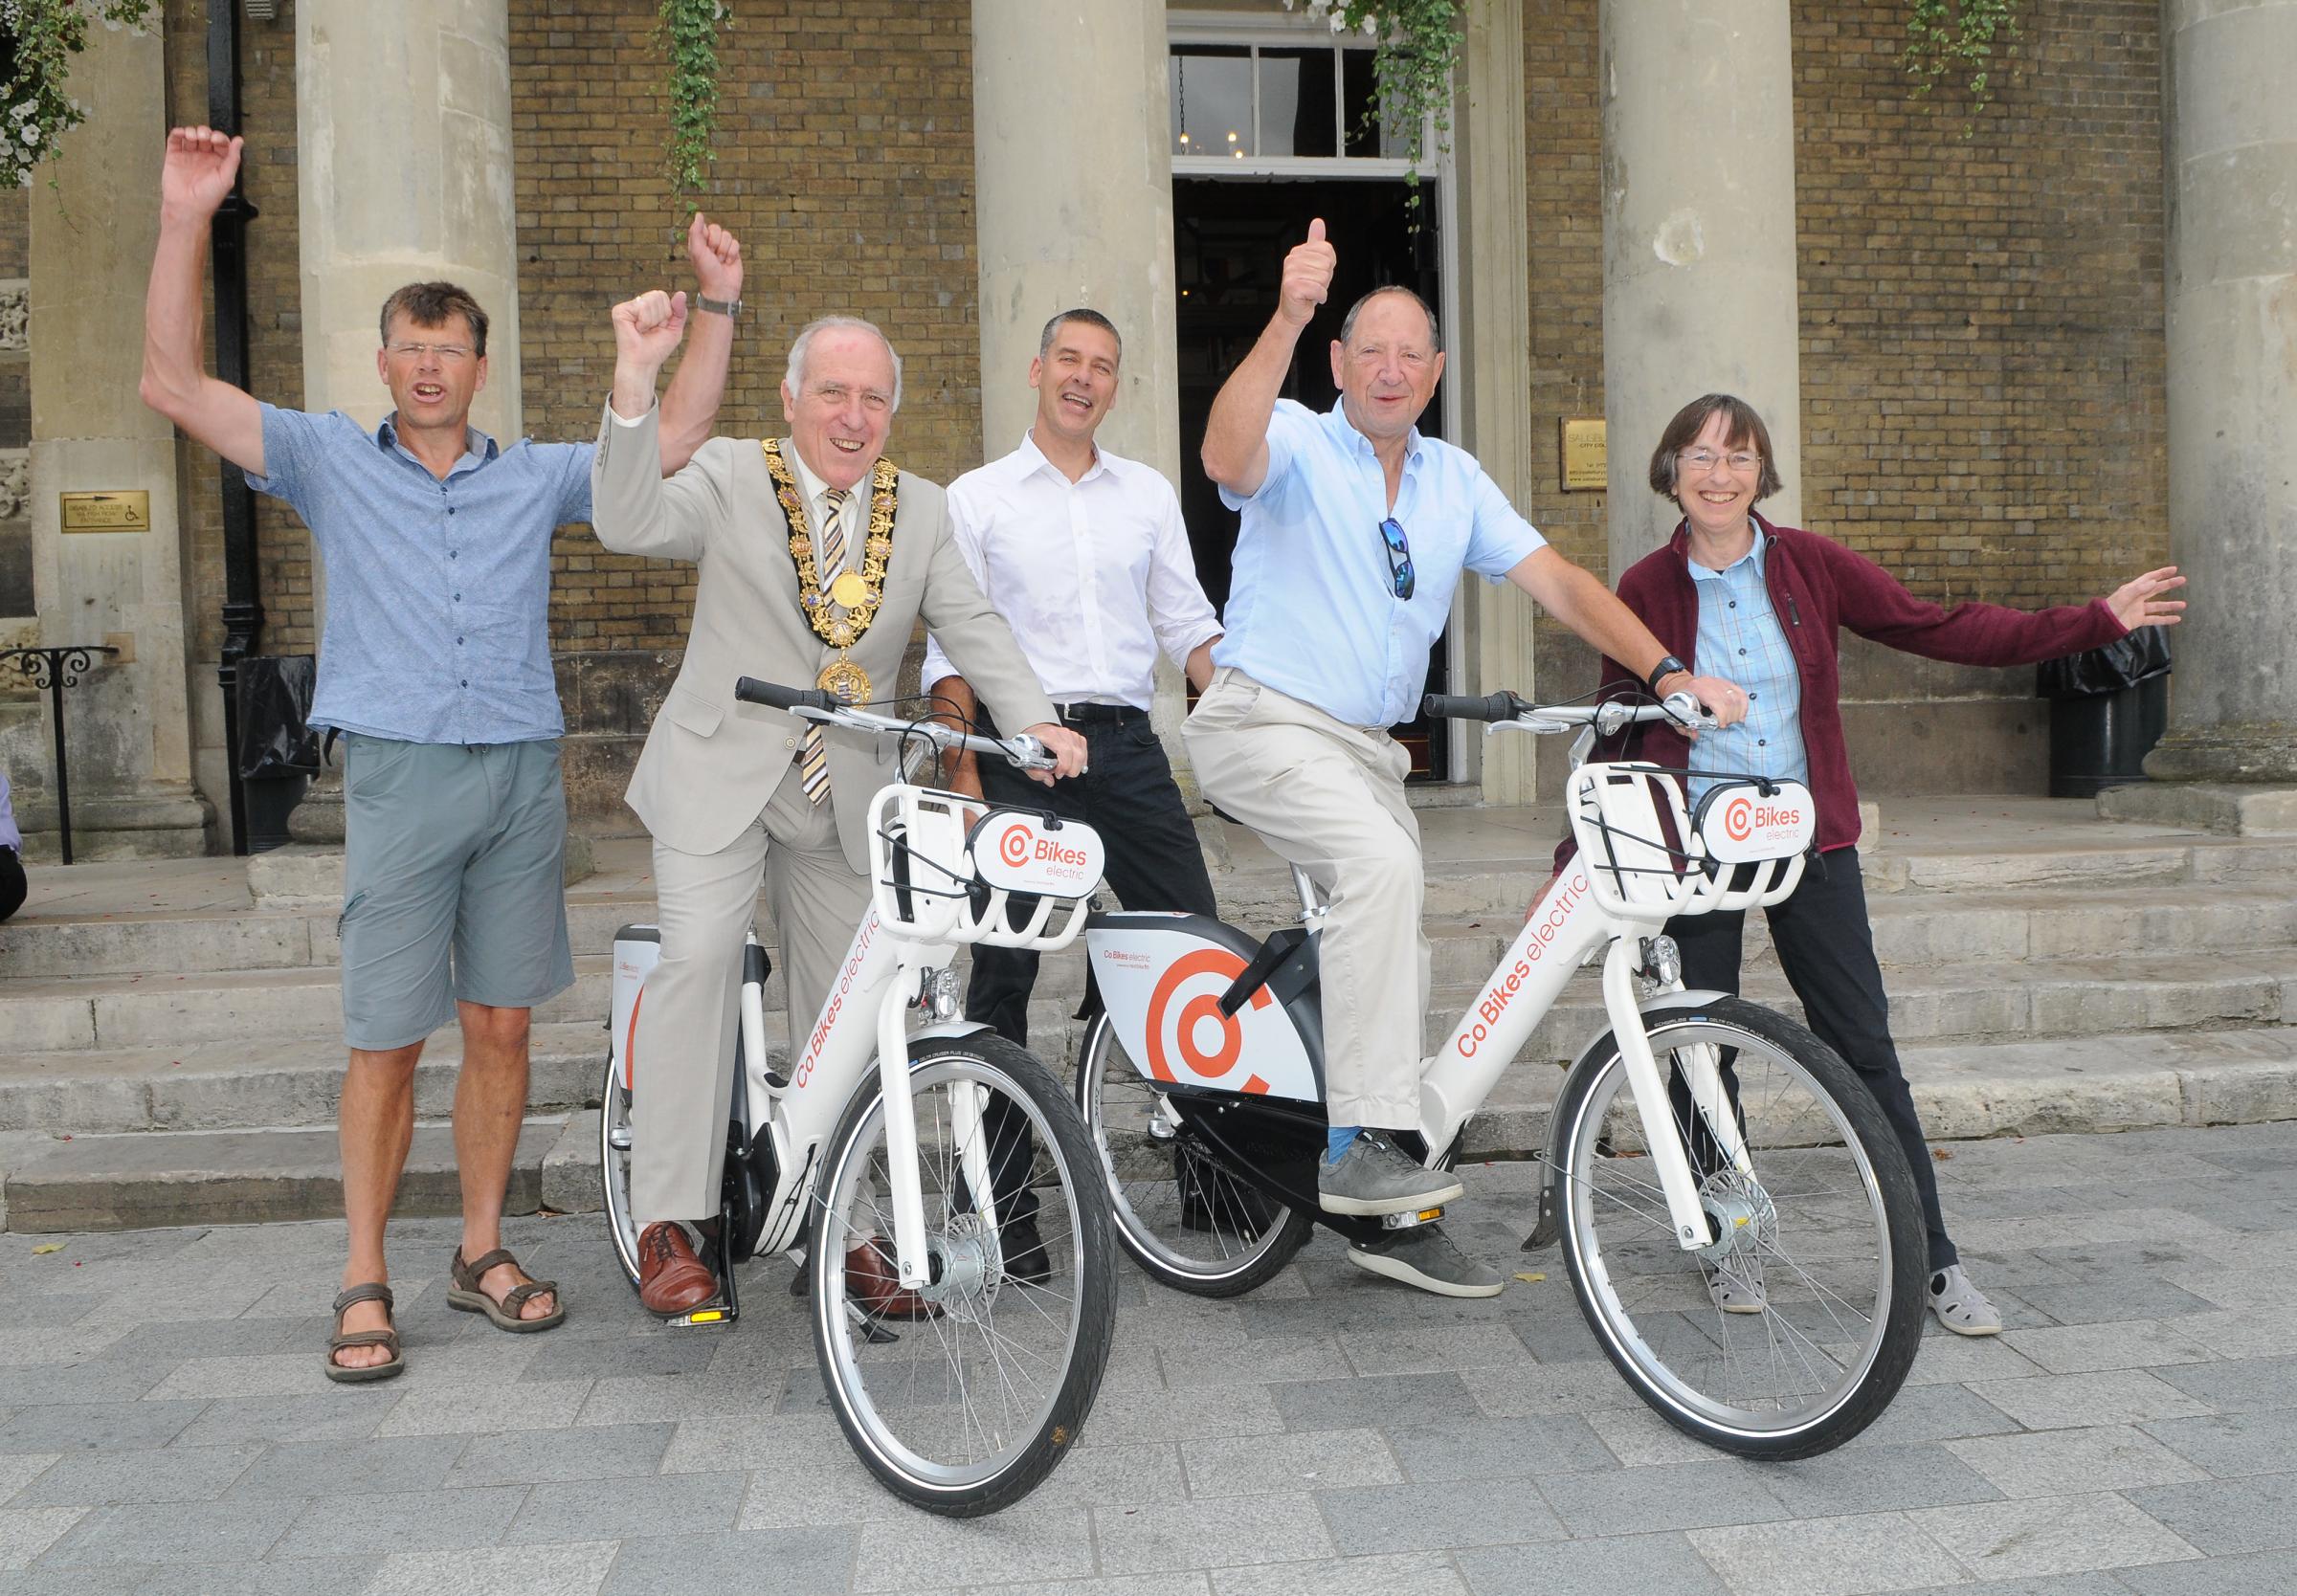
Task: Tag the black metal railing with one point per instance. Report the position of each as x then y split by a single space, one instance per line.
55 670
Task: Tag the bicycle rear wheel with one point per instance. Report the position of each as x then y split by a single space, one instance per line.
965 1410
1178 1211
1819 1250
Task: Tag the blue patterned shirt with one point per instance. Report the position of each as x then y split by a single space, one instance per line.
439 591
1313 610
1741 640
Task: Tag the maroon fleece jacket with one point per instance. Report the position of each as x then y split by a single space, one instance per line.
1817 586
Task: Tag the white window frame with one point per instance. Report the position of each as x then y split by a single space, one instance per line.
1295 31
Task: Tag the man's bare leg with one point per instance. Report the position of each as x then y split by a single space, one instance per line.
376 1125
490 1106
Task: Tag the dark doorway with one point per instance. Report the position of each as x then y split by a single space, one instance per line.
1229 239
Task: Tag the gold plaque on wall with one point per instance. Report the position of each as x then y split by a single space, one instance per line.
120 510
1586 465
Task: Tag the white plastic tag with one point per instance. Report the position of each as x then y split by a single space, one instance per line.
1019 852
1741 826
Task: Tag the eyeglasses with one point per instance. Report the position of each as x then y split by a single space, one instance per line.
1703 459
1400 556
452 354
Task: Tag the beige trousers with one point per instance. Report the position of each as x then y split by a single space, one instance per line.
688 1015
1329 798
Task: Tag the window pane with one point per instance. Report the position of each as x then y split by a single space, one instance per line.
1359 105
1212 100
1298 115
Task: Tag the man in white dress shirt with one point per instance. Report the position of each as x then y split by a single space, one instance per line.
1085 554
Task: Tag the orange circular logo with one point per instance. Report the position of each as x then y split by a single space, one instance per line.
1195 1015
1014 846
1738 818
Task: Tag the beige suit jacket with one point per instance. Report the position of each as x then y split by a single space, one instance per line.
712 762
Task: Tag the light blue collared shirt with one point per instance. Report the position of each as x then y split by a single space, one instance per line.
1740 640
9 836
439 591
1313 610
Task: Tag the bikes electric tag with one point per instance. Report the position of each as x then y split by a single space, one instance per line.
1019 852
1741 826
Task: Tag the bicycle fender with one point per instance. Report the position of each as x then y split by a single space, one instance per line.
948 1028
1660 1006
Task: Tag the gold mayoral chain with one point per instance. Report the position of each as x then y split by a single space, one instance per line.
840 616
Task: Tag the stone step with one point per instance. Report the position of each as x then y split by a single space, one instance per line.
171 1178
235 1084
158 1010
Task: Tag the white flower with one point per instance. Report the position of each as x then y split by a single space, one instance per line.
1339 23
1371 26
31 134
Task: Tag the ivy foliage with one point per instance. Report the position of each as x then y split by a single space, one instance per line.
1956 38
1417 46
686 31
37 41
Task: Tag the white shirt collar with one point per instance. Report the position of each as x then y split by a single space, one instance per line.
1033 460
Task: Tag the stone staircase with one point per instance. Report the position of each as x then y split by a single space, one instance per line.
171 1052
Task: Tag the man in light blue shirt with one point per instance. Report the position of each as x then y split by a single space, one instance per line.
1356 530
437 661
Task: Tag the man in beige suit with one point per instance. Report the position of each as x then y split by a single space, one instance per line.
734 793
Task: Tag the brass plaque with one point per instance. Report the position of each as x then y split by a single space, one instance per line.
1586 465
121 510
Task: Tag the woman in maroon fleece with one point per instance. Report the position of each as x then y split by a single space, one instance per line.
1734 596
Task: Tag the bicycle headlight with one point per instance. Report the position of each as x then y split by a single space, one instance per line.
939 997
1662 963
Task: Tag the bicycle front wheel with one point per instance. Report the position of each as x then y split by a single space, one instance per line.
965 1407
614 1170
1793 1331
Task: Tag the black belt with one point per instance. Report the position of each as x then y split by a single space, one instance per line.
1099 714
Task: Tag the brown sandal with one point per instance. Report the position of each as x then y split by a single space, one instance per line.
466 1295
347 1374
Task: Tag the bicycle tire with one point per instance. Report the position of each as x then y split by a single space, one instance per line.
1148 1222
981 1059
1869 1164
614 1170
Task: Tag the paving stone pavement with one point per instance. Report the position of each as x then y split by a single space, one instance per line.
165 1426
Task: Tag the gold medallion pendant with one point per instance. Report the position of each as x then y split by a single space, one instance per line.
841 615
844 680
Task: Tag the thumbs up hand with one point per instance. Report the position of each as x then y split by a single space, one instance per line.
1308 277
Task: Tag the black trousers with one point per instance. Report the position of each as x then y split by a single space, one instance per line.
1127 794
1826 946
12 886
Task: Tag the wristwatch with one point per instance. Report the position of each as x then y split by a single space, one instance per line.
717 307
1665 667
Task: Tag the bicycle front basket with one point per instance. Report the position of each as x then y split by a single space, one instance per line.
1641 852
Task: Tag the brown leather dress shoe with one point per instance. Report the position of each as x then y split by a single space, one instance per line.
671 1278
874 1281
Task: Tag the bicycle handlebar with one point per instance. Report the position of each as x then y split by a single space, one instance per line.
1022 752
1606 718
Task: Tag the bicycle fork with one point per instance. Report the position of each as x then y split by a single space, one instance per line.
967 1129
1663 1139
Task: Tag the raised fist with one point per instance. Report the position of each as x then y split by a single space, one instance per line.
717 257
1308 277
648 328
197 173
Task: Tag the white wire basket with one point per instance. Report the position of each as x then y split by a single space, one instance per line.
1649 859
937 878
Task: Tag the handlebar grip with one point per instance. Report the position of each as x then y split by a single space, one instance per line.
1027 753
750 690
1448 706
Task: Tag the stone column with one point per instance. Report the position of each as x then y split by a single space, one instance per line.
128 722
403 175
1698 291
1073 183
2231 298
1496 315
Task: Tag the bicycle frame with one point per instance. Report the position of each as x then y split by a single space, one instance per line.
896 960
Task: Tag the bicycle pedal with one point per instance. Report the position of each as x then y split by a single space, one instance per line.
1410 1221
716 1311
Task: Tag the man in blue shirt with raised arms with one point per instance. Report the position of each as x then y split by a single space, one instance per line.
1356 533
436 666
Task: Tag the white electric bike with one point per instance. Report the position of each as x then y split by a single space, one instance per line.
877 1149
1739 1222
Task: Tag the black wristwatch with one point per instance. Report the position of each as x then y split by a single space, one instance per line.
1665 667
723 307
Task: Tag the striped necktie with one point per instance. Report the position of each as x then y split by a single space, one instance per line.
813 763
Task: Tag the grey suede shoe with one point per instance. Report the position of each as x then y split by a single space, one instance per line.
1425 1257
1960 1306
1374 1176
1737 1286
